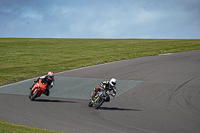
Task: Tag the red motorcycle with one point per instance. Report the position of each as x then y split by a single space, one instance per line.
38 89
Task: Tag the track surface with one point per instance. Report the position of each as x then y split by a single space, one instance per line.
168 99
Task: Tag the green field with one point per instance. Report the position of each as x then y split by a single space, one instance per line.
25 58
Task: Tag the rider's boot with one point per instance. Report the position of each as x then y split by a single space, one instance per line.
93 95
46 92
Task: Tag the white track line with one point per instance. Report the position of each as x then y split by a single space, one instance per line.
16 83
78 69
59 73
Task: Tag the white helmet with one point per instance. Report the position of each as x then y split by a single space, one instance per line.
50 75
113 82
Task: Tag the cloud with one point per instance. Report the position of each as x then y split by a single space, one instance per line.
100 19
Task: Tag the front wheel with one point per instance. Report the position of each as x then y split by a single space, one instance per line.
34 95
100 102
31 94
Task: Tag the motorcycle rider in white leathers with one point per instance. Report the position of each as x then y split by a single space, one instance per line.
110 85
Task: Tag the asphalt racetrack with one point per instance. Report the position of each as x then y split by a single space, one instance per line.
154 94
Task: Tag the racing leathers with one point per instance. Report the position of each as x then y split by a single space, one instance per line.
106 86
45 79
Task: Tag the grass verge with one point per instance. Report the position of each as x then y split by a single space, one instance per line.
24 58
6 127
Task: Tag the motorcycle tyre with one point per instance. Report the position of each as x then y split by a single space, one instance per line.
99 104
34 95
31 94
90 104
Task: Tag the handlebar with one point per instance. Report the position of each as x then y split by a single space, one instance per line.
107 92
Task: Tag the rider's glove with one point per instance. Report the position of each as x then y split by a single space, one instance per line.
113 95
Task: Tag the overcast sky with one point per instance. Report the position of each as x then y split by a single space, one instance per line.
157 19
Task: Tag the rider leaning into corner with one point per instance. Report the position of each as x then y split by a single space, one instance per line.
106 85
49 79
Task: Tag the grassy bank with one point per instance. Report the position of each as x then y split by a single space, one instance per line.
24 58
6 127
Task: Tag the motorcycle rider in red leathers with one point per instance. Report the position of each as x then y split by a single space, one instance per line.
49 79
106 85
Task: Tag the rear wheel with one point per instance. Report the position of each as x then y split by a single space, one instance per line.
90 104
